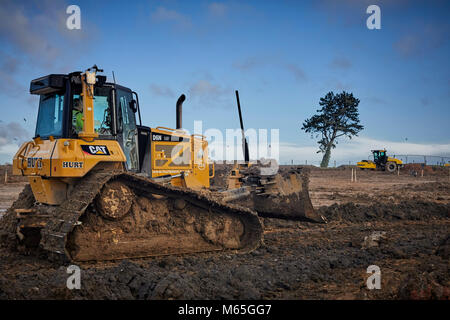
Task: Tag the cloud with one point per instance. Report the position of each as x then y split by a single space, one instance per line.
425 101
206 93
9 63
19 30
297 71
9 66
35 41
359 148
217 9
9 86
341 63
248 63
424 39
35 33
162 14
161 91
12 132
407 44
7 152
273 61
12 135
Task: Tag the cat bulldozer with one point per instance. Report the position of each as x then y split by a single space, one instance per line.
381 161
104 187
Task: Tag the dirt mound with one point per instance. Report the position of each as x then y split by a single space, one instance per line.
410 168
383 211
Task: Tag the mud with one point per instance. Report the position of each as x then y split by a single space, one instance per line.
350 212
408 238
154 226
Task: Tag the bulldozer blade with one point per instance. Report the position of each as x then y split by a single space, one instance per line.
284 196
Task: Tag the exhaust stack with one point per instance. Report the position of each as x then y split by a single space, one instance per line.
180 111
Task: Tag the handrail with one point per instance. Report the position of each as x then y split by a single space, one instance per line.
170 130
199 135
165 128
21 155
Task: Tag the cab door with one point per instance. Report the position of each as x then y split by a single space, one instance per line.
127 131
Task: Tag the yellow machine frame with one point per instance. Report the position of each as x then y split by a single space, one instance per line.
53 165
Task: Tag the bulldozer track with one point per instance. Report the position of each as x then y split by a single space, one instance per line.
65 218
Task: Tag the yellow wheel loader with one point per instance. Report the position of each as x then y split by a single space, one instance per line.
380 162
104 187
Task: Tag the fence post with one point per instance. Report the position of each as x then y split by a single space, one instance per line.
6 175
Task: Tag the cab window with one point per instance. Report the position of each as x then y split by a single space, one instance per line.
50 115
102 111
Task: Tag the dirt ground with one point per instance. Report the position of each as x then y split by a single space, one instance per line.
399 223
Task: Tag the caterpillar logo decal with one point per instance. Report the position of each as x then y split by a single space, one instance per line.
72 164
95 150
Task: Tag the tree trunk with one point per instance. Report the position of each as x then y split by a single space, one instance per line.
326 156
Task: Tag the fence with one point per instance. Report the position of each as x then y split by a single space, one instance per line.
406 158
429 160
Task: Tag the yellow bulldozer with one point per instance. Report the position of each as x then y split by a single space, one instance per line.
104 187
381 161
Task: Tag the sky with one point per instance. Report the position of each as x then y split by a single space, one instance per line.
282 56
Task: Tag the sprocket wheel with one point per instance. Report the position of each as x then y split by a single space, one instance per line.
114 201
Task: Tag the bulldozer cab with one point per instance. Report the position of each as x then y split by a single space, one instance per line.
61 115
87 120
